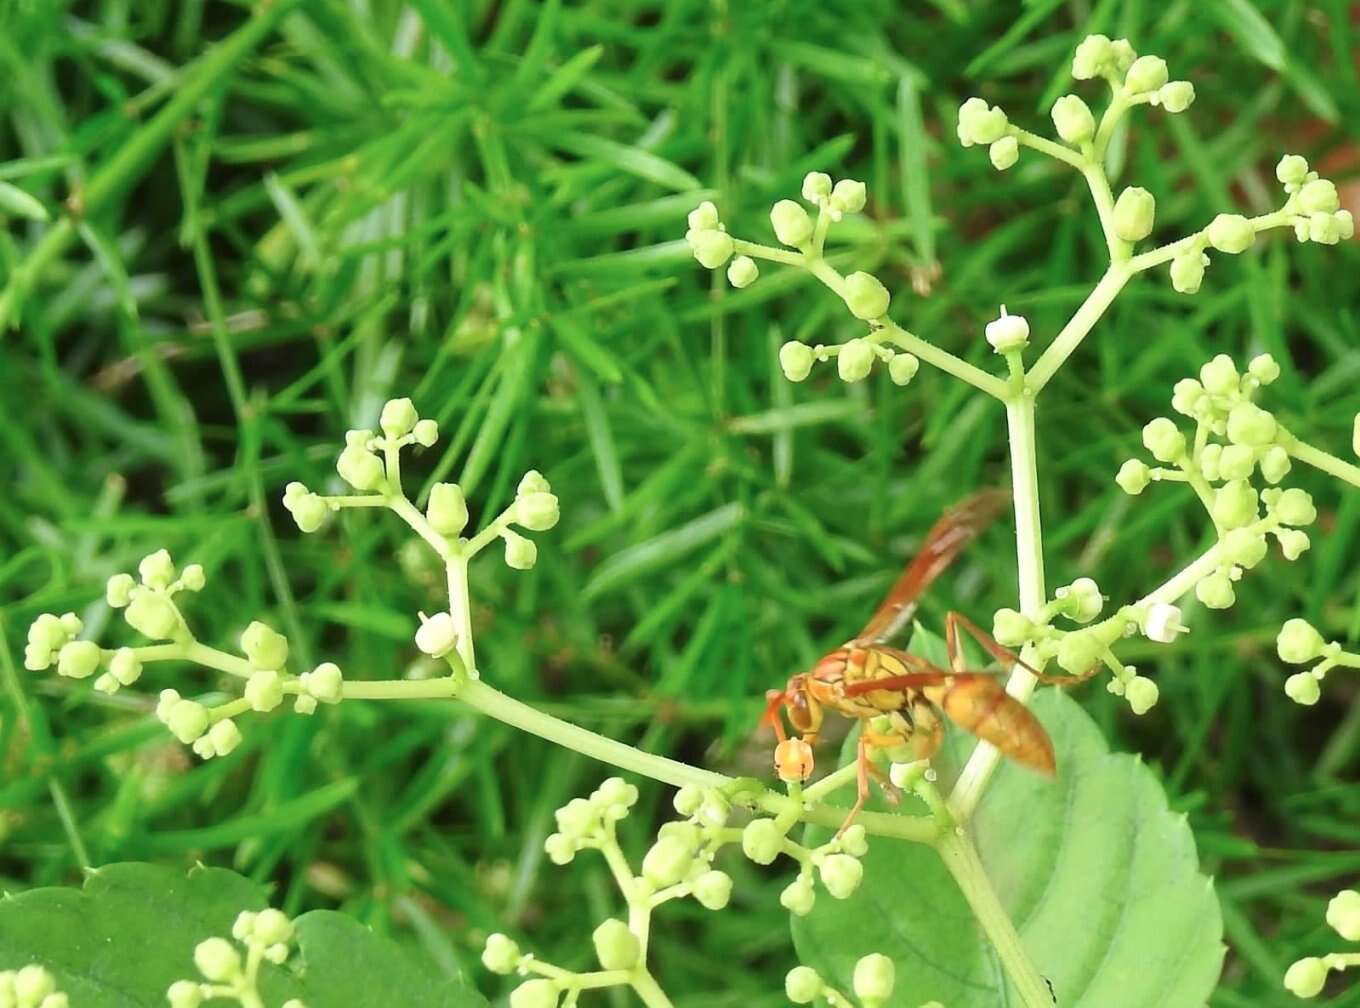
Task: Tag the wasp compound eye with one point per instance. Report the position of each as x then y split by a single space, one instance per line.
793 760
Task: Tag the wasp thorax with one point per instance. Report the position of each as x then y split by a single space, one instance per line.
793 760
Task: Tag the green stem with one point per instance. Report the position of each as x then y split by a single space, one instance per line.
961 859
1319 459
1081 323
1104 200
945 361
649 991
1046 146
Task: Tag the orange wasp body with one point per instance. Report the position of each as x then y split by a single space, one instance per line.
900 697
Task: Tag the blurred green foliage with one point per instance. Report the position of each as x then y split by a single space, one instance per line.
480 204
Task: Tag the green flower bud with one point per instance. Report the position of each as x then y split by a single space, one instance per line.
688 800
1248 424
762 840
184 994
264 691
325 682
218 960
1303 688
1236 462
713 889
742 271
221 739
715 809
578 818
520 553
855 841
902 368
1134 213
560 848
118 590
153 615
1073 120
1004 153
1187 271
1216 591
704 217
792 225
125 666
1292 170
1231 233
1264 368
1293 543
1141 693
398 417
264 647
1295 507
32 983
437 635
803 985
447 509
816 187
841 874
1244 547
799 897
165 702
360 468
308 510
1345 224
1319 196
1080 601
616 791
667 861
795 360
78 659
874 978
192 578
500 954
1133 477
849 196
1343 914
532 482
1306 978
1093 55
537 512
1219 376
1148 73
1008 333
980 124
1163 438
1324 228
1163 623
48 632
1176 96
540 993
187 720
711 248
866 297
1235 504
616 947
1011 629
1079 650
426 432
157 569
855 360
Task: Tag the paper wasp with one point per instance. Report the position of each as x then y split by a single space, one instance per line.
886 688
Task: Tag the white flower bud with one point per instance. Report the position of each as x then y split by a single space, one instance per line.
437 635
118 590
1292 170
264 691
816 187
848 196
1231 233
1319 196
501 954
704 217
1306 978
1008 333
855 360
78 659
866 296
1141 693
1176 96
157 570
802 985
1163 623
874 978
264 647
426 432
360 468
520 553
1303 689
902 368
1004 153
325 683
447 509
1148 73
537 511
795 360
218 960
1133 477
711 248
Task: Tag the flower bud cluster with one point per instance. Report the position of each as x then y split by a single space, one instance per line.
1314 205
873 980
980 123
1300 643
836 863
854 359
31 987
1306 977
267 935
845 196
535 509
589 822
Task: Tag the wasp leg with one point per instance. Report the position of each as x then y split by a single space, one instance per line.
954 620
862 780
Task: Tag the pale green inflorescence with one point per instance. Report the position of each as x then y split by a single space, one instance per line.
31 986
1307 977
225 974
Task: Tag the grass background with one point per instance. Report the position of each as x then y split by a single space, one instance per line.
480 204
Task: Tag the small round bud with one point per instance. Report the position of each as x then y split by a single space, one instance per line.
802 985
398 417
243 928
1299 642
264 691
1303 688
273 927
1343 914
1133 477
304 703
792 225
325 682
1141 693
532 482
1081 601
1187 271
1079 650
1318 196
742 271
616 947
902 368
1306 978
184 994
1134 213
164 702
1216 591
1219 376
1008 333
667 861
48 633
520 553
577 818
704 217
849 196
1295 507
192 578
799 897
32 983
125 666
540 993
152 614
761 841
1235 504
816 186
447 509
874 977
1164 440
78 659
793 760
537 512
795 360
1011 628
1163 623
1176 96
118 590
308 510
157 569
360 468
1073 120
217 959
711 248
1236 462
1293 543
1231 233
1291 170
187 720
617 791
1275 464
980 124
688 800
1092 56
426 432
437 635
1004 153
855 360
841 874
264 647
560 848
1148 73
500 954
713 889
1244 547
866 297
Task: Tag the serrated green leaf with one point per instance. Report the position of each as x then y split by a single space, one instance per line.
1099 876
130 933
